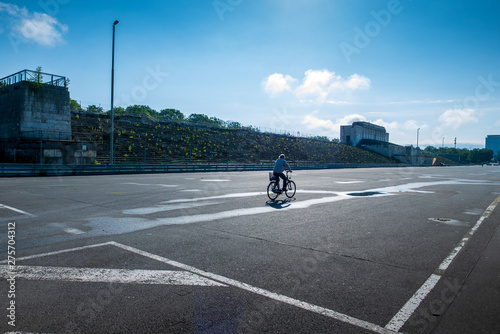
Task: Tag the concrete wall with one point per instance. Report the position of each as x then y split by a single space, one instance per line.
11 109
32 110
353 134
68 153
405 154
386 149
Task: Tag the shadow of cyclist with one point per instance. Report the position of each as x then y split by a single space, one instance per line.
280 204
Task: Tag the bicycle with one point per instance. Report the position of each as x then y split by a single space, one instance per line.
273 187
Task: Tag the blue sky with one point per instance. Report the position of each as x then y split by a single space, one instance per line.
304 66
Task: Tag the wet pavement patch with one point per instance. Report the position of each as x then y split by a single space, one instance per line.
366 193
449 221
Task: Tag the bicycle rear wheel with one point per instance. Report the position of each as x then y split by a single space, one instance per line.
272 191
290 189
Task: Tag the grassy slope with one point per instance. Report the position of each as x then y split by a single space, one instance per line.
162 142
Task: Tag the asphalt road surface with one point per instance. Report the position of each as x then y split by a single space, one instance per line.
386 250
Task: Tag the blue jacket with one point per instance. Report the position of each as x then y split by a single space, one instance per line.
280 166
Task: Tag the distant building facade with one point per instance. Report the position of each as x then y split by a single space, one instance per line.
493 143
353 134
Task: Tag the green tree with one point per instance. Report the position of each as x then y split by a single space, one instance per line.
477 156
138 110
431 149
38 78
217 122
117 111
233 125
204 119
74 105
171 114
95 109
485 155
464 153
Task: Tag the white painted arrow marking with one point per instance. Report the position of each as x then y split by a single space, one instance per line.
100 275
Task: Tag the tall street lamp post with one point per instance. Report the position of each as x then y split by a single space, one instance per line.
111 134
418 130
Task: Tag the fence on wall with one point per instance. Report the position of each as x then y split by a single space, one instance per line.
64 170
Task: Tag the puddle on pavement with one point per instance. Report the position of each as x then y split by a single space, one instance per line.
449 221
366 193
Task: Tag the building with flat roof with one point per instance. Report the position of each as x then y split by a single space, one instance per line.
35 120
353 134
493 143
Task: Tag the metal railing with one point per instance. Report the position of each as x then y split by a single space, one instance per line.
7 170
34 76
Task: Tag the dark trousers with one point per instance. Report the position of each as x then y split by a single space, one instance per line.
278 176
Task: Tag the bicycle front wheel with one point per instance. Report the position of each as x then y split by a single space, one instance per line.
290 189
272 192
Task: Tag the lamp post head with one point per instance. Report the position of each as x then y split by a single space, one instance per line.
115 23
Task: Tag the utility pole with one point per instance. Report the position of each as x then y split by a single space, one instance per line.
418 130
112 116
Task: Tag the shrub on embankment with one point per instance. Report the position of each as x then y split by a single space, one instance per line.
141 139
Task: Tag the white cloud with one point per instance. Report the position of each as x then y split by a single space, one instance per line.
277 83
327 126
35 27
314 123
455 118
336 102
354 82
12 9
317 85
397 127
314 85
349 119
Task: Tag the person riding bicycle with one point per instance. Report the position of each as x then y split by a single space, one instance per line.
279 167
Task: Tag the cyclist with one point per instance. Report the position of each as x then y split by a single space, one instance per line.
279 167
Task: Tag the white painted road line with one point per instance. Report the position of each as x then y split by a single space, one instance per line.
101 275
348 182
3 206
446 263
235 195
36 256
152 185
167 207
411 305
131 276
265 293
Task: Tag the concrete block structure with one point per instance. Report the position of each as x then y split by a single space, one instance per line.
35 120
28 110
375 138
353 134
